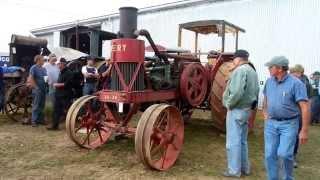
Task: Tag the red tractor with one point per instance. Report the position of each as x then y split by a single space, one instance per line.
161 91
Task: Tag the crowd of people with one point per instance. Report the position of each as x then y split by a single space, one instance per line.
56 78
290 101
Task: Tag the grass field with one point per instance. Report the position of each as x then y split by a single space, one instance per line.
35 153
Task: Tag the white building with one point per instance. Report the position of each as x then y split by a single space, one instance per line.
273 27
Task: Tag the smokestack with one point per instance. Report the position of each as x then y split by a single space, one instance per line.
128 22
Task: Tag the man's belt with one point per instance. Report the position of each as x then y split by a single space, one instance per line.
286 119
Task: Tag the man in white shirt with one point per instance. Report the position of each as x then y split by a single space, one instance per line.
91 77
53 74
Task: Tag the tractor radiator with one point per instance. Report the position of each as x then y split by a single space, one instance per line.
127 70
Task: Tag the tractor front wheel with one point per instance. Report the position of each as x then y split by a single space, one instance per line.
159 136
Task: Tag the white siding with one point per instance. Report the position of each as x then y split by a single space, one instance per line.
273 27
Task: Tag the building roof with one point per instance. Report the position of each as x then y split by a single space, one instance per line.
96 21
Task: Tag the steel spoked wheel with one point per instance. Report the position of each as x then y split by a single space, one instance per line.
194 84
18 102
69 114
86 123
159 136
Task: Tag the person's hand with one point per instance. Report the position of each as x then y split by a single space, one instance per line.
265 115
29 84
303 136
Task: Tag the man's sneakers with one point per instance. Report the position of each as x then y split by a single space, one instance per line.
295 163
33 124
227 174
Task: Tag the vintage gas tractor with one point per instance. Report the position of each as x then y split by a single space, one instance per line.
160 91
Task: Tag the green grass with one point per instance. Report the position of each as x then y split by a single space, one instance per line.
34 152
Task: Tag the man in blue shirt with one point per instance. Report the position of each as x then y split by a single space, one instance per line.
4 70
37 80
285 102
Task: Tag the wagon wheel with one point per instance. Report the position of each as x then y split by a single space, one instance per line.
86 123
193 84
159 136
18 102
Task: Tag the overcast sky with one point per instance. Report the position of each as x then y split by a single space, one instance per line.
20 16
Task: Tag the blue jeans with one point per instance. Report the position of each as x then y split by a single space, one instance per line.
280 138
89 88
236 145
38 103
51 94
296 146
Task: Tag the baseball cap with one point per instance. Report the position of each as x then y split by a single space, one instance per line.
62 60
52 55
280 61
241 53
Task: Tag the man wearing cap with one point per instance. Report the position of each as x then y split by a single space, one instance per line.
285 102
53 74
63 93
91 76
240 94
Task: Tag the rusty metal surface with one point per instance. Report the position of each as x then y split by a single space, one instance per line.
28 41
194 84
137 96
218 85
159 138
85 123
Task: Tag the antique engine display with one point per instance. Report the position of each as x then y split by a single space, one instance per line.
170 85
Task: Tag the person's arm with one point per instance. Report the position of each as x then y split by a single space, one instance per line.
58 85
236 88
301 98
305 113
107 72
30 81
264 108
96 74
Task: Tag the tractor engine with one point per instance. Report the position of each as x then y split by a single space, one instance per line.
127 54
128 57
159 74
